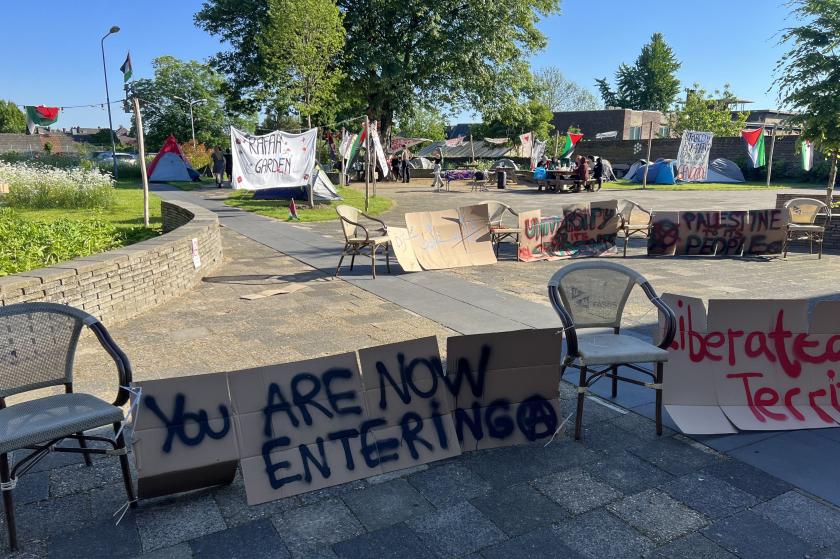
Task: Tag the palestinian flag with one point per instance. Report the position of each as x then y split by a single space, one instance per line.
568 145
755 146
358 140
126 68
807 151
40 116
293 215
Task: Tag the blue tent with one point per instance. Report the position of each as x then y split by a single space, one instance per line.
661 171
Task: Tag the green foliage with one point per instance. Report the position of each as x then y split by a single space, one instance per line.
324 211
29 244
163 114
300 46
650 84
517 118
560 94
709 113
809 76
41 186
422 123
12 119
398 55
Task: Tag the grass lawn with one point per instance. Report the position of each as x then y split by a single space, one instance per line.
324 211
622 184
126 213
190 185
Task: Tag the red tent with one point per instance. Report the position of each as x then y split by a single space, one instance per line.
170 164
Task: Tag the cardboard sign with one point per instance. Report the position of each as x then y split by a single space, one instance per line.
403 249
582 230
753 365
451 238
717 233
274 160
302 426
693 155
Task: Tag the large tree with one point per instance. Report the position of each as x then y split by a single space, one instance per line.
809 77
300 44
518 117
12 119
649 84
709 113
560 94
423 122
165 114
399 54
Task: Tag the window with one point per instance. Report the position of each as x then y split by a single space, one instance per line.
635 133
664 132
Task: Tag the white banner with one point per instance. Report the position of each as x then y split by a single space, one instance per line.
377 149
693 157
274 160
537 153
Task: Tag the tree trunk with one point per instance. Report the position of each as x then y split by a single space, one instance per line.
832 177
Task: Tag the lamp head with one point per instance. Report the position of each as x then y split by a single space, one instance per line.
114 29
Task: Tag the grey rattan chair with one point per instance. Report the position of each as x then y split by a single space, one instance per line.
358 239
801 225
635 221
37 349
593 295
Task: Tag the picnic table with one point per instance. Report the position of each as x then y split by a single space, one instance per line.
563 180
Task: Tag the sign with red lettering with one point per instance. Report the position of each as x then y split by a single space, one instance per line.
753 365
580 230
717 233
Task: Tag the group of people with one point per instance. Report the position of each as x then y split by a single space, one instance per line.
580 169
400 168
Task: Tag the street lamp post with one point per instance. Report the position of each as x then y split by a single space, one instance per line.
113 30
191 104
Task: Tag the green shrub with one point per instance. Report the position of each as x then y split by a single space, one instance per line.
29 244
40 186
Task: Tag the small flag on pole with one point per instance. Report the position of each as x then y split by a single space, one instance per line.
807 155
126 68
293 215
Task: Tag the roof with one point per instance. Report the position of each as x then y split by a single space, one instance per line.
483 150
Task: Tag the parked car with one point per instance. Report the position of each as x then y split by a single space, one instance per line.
108 157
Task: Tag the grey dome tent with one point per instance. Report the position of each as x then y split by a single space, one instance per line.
322 187
724 170
505 163
420 163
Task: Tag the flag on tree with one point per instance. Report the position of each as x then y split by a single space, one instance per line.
40 116
755 146
568 145
807 150
126 68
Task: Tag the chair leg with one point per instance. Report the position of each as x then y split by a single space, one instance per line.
785 247
340 260
810 243
659 374
126 471
352 260
822 242
388 258
626 240
373 260
580 397
83 444
614 381
8 504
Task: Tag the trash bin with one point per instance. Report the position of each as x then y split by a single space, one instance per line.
501 178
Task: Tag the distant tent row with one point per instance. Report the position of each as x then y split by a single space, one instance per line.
664 171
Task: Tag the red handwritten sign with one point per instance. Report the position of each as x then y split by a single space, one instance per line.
753 364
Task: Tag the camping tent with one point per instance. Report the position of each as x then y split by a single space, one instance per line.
724 170
505 163
420 163
170 164
323 190
631 172
661 171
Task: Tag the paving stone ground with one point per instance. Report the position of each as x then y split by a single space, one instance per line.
621 492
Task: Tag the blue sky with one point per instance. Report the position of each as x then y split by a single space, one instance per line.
718 42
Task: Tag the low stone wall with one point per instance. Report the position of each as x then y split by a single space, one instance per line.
832 230
122 283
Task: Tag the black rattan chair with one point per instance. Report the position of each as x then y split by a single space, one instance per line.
37 349
593 295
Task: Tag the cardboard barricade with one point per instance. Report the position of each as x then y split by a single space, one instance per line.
753 365
449 238
302 426
587 229
717 233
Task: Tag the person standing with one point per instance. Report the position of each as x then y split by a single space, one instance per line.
598 172
582 171
229 165
395 167
438 167
406 169
218 159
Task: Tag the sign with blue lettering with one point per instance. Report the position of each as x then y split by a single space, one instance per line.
302 426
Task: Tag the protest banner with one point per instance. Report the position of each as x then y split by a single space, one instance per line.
717 233
302 426
274 160
753 365
451 238
582 230
693 156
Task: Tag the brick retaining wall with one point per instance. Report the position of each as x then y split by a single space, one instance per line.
122 283
832 231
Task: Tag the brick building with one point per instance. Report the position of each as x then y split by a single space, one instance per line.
627 124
